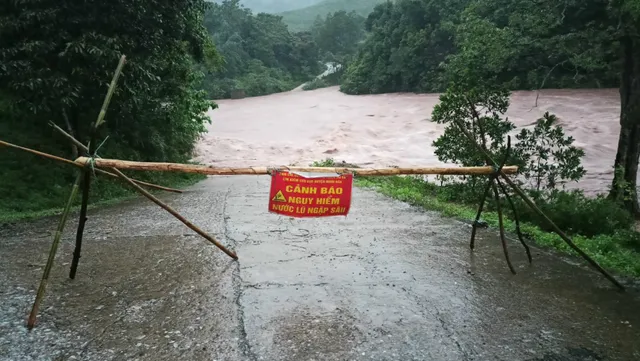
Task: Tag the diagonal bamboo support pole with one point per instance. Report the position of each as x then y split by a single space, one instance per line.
487 189
86 182
503 238
52 254
175 214
516 217
91 162
69 162
474 226
535 208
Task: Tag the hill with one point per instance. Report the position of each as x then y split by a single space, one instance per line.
274 6
302 19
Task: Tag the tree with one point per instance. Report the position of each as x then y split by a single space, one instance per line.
260 55
339 34
407 42
624 187
423 45
57 59
595 39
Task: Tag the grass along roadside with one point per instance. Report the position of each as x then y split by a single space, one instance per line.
613 251
104 192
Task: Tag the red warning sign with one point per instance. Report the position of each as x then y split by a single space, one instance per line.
301 196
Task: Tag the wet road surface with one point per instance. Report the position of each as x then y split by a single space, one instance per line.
388 282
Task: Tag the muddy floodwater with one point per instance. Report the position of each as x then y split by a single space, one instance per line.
300 127
387 282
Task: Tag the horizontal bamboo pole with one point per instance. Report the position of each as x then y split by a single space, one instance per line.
75 164
210 170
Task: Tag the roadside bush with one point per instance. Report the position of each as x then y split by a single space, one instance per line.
575 213
546 156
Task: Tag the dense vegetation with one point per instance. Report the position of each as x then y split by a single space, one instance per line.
523 44
476 51
58 69
338 35
56 60
260 55
427 45
303 19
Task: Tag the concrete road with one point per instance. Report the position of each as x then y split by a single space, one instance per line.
389 282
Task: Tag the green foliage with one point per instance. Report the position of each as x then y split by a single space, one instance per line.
618 250
330 162
528 45
56 61
408 41
423 45
480 111
302 19
547 155
624 191
338 35
575 213
260 55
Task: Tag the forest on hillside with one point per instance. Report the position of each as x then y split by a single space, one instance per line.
413 44
262 56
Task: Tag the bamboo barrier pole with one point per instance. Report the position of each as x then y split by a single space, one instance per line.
87 174
75 164
210 170
52 254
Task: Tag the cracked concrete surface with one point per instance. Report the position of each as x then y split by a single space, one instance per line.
388 282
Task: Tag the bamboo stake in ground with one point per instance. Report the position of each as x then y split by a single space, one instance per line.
209 170
52 254
87 171
491 185
535 208
516 217
86 184
474 226
503 239
175 214
78 165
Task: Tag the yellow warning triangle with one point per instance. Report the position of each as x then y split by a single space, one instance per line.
279 197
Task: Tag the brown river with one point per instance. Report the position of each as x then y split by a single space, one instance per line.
299 127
